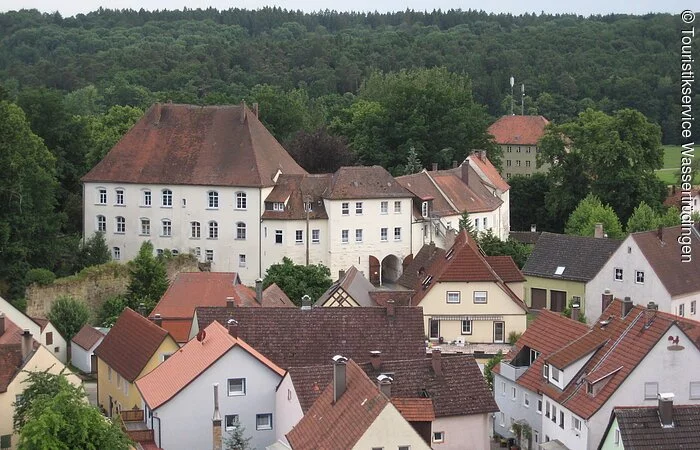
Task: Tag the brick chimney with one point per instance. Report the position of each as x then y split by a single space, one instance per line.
341 274
465 172
390 308
575 311
599 233
158 320
384 384
2 323
651 306
27 342
258 290
243 108
437 361
232 325
375 357
256 109
533 228
306 303
627 306
666 410
607 298
454 164
435 167
339 376
660 233
230 303
216 421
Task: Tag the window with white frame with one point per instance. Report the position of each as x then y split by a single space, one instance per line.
116 253
198 252
503 388
554 414
539 406
358 208
527 163
485 223
241 260
466 327
694 390
344 236
299 236
561 419
397 207
146 199
397 233
438 436
546 409
480 297
618 274
279 237
358 235
236 386
242 200
526 399
453 297
278 206
693 308
213 230
384 207
639 277
345 208
196 230
534 354
576 423
102 196
651 390
119 197
502 419
315 236
101 224
231 422
535 436
145 227
424 209
213 199
476 223
617 436
263 421
545 370
159 252
241 232
554 373
175 252
513 393
384 234
209 255
167 198
681 310
120 225
167 227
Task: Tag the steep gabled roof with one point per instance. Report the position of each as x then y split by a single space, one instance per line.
484 165
87 337
423 187
339 425
472 196
518 130
292 336
641 429
415 409
10 363
581 257
196 145
189 362
360 182
130 344
296 190
354 284
664 256
506 268
273 296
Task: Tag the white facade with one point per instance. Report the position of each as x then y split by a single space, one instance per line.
516 403
463 432
390 430
287 408
81 358
185 421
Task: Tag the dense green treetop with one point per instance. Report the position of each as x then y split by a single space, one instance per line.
297 280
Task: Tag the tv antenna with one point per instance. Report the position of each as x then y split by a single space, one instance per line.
512 100
522 101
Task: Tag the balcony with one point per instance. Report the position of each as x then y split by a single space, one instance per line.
512 372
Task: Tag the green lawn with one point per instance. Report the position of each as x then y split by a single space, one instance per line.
672 162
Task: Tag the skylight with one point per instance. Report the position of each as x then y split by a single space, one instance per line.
559 270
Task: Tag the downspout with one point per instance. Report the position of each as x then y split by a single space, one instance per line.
154 416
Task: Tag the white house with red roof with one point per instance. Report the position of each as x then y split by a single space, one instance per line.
518 137
83 345
201 392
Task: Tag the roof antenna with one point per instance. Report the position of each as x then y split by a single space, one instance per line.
522 101
512 100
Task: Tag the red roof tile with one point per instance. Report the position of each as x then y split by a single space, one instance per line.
10 363
41 322
415 409
482 162
196 145
506 268
360 182
518 130
423 187
189 362
179 329
273 296
130 344
87 337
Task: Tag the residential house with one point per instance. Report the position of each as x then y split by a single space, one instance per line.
190 179
352 289
445 399
83 347
133 347
465 295
649 267
663 427
687 201
180 407
189 290
20 353
518 137
306 337
528 238
42 330
560 269
353 413
614 362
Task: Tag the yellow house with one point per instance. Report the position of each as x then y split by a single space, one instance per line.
132 348
20 353
467 297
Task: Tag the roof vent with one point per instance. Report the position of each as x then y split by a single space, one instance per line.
306 303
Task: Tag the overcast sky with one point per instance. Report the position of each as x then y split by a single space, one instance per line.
69 8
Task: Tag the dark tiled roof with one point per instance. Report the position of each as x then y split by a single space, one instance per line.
355 285
400 297
640 428
582 257
196 145
665 256
10 363
365 182
339 425
87 337
525 237
130 344
295 190
295 337
518 130
461 390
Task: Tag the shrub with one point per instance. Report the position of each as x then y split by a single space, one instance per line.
42 277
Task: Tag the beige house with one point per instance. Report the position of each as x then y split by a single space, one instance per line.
518 137
465 295
20 353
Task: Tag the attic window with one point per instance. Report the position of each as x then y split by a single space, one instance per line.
424 393
449 253
427 280
589 388
278 206
560 270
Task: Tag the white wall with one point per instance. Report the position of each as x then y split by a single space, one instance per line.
389 431
186 419
272 253
515 409
567 435
463 432
82 358
288 410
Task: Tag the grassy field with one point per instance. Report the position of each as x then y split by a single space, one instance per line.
672 162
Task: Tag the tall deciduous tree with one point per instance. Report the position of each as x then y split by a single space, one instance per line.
493 246
589 212
106 129
148 278
642 219
320 151
68 315
298 280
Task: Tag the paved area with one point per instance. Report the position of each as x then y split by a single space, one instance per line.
91 390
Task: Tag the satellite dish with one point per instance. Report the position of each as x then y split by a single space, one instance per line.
512 81
201 335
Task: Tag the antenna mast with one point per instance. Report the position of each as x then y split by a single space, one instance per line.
512 100
522 101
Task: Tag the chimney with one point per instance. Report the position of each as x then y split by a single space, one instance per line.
258 290
465 172
230 303
651 306
156 113
482 154
232 325
339 379
341 274
390 308
216 420
384 384
375 357
626 306
575 311
454 164
437 361
599 233
306 303
533 228
158 320
243 108
2 323
27 342
666 410
660 233
607 298
435 167
256 109
142 309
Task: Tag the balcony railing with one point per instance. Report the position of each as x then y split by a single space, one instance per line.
512 372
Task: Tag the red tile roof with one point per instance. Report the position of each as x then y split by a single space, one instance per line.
196 145
273 296
339 425
179 329
665 256
518 130
360 182
295 190
506 268
41 322
10 363
423 187
87 337
415 409
194 358
130 344
482 162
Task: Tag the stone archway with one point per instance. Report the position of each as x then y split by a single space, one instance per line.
391 269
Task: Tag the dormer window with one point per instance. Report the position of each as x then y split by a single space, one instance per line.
424 209
589 388
545 371
555 373
278 206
